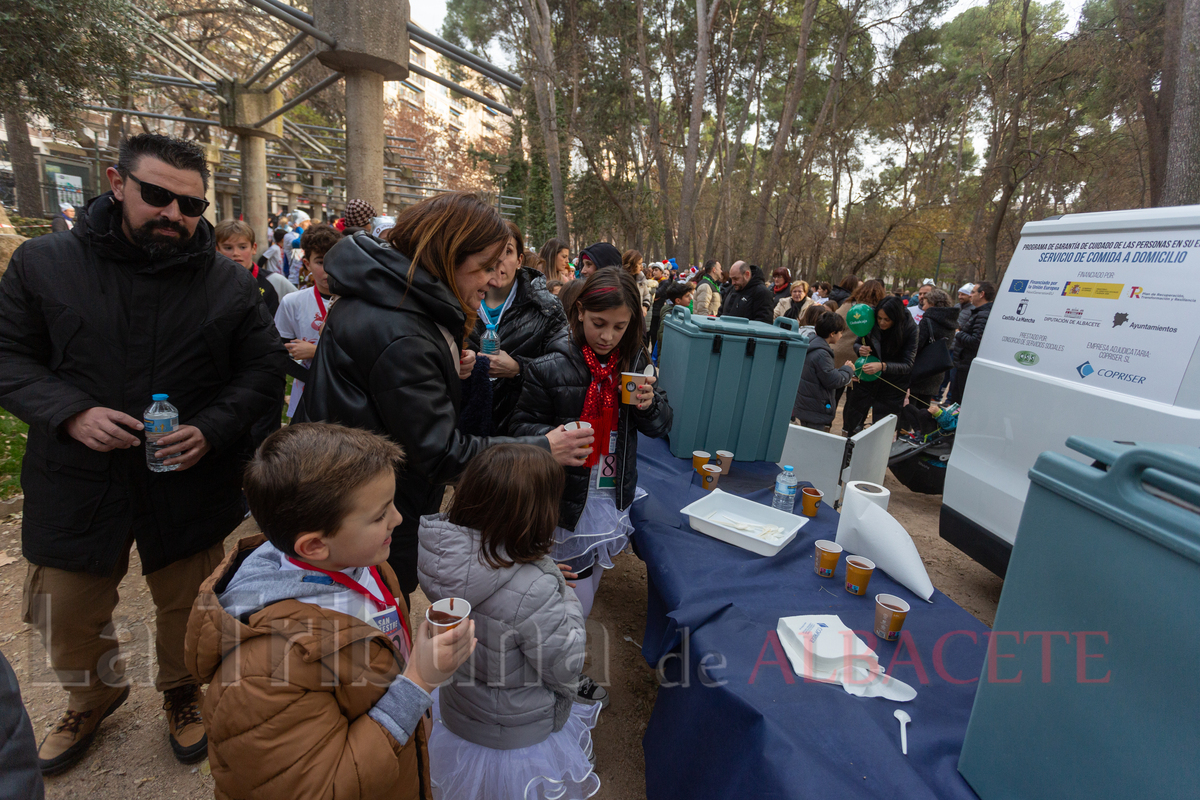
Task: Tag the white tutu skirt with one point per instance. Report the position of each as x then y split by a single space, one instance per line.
601 533
554 769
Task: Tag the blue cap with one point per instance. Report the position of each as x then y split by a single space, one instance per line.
491 326
788 469
159 397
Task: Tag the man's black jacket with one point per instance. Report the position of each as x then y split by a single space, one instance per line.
87 319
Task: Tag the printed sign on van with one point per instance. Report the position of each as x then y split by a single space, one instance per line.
1100 310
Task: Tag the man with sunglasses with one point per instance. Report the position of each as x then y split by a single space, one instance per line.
133 300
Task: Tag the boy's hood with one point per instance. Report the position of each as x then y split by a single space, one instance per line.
249 596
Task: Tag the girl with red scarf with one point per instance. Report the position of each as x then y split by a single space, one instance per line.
582 381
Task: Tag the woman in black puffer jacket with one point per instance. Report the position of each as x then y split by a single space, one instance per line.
389 357
530 322
893 340
583 383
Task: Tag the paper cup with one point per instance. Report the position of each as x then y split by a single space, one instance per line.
630 381
699 459
810 499
858 574
446 615
724 461
577 425
709 474
827 557
890 613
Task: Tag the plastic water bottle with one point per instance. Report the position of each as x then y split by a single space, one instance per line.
160 419
490 343
784 498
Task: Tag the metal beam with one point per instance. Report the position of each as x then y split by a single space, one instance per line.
146 75
298 157
179 51
294 21
464 57
183 72
290 71
267 67
136 113
212 68
449 84
298 99
299 133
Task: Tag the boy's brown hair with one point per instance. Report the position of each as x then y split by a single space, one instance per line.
510 493
233 228
303 478
319 240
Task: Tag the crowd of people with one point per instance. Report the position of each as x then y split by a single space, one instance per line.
316 683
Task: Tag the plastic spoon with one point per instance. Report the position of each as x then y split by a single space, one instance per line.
648 371
904 720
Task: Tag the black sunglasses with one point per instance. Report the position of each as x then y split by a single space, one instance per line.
159 197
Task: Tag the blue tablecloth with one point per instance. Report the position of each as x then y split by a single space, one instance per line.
740 723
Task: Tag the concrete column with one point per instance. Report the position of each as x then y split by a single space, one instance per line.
364 137
254 183
226 205
289 184
318 206
212 154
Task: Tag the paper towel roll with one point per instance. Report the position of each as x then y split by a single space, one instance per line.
867 529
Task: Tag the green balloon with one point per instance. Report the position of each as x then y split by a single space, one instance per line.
858 367
861 318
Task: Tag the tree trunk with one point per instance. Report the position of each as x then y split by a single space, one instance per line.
687 195
656 142
24 165
1182 179
538 14
790 106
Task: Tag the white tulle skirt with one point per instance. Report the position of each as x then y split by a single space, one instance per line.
557 768
601 533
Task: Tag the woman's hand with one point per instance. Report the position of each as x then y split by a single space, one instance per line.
873 367
645 393
301 350
466 364
502 365
864 350
570 447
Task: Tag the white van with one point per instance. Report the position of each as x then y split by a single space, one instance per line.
1094 333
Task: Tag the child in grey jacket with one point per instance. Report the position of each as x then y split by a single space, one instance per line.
507 724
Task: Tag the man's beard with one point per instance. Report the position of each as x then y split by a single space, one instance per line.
156 245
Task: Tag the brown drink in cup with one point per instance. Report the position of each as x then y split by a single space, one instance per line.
446 615
858 574
890 613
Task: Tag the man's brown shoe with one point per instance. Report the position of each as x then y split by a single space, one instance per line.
185 727
73 735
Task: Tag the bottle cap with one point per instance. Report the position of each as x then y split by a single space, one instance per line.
788 469
491 326
158 397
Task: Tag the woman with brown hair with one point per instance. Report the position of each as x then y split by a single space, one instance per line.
557 258
631 262
781 286
390 357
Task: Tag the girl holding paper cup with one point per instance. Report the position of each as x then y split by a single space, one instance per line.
582 381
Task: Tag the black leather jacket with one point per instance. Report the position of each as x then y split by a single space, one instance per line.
896 352
555 388
531 326
384 365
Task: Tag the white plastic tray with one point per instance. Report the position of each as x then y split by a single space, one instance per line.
717 501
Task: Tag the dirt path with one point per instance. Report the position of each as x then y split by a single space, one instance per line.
131 757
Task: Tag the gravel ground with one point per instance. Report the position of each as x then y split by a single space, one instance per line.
131 757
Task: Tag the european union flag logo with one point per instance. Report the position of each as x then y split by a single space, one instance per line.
1018 286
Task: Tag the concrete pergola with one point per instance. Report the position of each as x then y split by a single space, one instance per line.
364 43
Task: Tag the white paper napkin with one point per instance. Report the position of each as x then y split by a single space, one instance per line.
822 648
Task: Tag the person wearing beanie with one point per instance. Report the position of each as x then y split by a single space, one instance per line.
359 214
598 256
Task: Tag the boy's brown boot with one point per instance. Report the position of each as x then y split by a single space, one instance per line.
74 733
184 725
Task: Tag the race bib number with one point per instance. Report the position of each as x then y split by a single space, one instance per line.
388 621
606 475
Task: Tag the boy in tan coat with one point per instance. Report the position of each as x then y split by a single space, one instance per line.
317 690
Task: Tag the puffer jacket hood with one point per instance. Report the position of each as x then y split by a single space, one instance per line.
943 319
518 686
533 325
379 274
295 689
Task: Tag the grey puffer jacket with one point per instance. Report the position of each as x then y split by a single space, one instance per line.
517 688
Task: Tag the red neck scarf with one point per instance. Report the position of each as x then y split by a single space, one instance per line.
600 405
